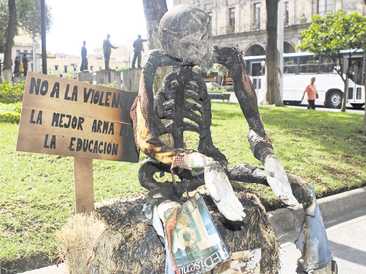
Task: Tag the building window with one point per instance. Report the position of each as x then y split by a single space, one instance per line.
231 19
323 7
287 15
257 16
210 23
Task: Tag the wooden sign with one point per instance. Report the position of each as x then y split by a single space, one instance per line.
72 118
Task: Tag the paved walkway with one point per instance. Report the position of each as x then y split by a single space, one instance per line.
347 239
348 243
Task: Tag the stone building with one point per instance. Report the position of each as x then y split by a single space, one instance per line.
242 23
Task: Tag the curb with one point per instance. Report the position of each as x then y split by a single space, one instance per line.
335 209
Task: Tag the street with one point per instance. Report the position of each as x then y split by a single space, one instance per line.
349 110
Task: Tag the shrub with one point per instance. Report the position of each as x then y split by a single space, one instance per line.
18 107
11 93
76 241
10 117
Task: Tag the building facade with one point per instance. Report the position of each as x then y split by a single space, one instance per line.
242 23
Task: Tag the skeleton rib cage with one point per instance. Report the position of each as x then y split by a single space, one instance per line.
183 105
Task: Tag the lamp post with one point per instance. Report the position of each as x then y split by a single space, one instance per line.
43 37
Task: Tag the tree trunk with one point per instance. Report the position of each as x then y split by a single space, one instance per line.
364 82
346 68
9 42
345 94
272 54
154 10
364 117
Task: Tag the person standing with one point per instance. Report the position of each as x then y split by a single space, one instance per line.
17 66
84 57
311 94
107 49
138 48
25 64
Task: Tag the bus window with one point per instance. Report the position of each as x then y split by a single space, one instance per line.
358 94
290 65
326 65
255 83
257 69
309 64
350 93
356 70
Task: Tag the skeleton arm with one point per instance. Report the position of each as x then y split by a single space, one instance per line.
231 58
260 144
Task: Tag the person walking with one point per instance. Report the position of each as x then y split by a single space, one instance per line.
84 57
138 48
311 93
107 49
25 64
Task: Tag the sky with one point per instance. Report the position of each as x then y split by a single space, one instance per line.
74 21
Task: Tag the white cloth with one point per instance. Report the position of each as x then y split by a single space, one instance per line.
278 181
218 185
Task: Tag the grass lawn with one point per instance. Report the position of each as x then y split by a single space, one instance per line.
36 194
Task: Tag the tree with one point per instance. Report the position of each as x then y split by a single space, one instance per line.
10 34
333 33
154 10
27 17
364 82
272 54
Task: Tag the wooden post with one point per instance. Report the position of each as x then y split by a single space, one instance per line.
84 194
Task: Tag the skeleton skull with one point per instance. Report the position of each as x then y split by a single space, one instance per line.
184 34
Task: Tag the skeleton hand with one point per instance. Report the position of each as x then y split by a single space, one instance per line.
217 183
228 57
278 181
213 152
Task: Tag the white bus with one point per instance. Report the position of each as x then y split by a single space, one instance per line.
298 70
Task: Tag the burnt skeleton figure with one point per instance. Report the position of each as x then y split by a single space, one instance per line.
182 104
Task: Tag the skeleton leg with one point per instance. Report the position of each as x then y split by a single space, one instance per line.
313 241
167 190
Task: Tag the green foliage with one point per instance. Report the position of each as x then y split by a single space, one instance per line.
219 69
11 93
9 117
12 107
28 17
216 89
329 34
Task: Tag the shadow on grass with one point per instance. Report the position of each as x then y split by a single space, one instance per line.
337 132
334 132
